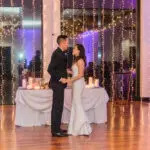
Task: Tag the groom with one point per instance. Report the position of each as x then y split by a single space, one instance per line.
58 71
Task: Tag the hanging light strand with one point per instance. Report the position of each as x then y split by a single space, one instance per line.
73 24
22 17
132 44
83 27
113 51
62 17
1 53
122 49
33 36
12 54
103 43
93 37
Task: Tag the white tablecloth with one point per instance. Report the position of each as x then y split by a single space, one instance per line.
33 107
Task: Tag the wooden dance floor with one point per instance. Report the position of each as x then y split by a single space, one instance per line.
128 128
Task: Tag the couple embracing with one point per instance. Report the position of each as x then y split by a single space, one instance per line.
79 123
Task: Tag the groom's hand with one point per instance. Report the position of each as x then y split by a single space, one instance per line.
63 80
69 80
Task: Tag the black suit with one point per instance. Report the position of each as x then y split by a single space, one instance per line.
57 70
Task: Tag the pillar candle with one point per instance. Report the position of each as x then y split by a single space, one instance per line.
90 80
96 82
24 83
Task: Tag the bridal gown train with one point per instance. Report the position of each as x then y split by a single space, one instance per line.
79 123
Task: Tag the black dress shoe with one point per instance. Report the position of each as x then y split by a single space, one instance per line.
59 134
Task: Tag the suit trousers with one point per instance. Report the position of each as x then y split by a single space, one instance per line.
57 107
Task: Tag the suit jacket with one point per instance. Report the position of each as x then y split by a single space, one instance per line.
57 67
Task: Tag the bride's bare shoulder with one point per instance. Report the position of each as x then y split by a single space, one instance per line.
80 62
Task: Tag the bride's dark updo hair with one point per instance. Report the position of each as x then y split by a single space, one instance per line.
82 53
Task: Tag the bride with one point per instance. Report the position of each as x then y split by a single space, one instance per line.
79 124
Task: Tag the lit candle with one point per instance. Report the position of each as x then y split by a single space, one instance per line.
30 80
36 87
24 83
38 81
96 82
90 80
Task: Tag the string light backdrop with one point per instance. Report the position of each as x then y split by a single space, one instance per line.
113 29
16 22
79 20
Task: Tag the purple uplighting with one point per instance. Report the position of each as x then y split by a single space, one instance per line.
28 42
128 4
90 41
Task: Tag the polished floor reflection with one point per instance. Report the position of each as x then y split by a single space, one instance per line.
128 128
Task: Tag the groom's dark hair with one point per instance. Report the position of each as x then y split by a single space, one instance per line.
61 38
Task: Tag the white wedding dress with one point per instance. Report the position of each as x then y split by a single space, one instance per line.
79 123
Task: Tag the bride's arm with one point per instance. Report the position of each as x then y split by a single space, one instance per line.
81 67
